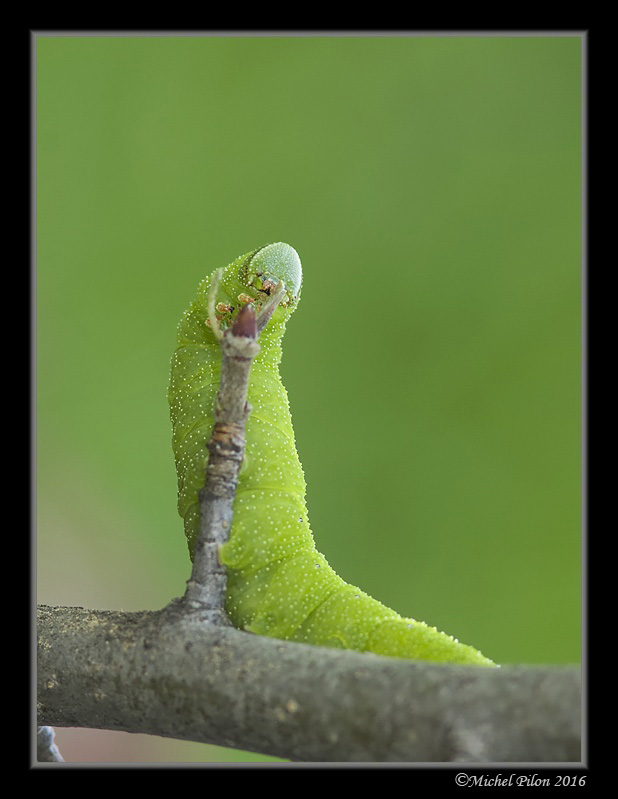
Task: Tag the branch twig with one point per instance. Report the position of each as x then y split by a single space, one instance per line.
46 749
206 588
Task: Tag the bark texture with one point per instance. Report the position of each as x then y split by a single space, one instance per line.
168 673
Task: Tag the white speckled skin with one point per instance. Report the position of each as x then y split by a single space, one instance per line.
278 583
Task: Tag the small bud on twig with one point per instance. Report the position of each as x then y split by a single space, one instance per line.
245 324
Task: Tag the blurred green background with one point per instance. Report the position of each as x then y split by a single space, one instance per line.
432 187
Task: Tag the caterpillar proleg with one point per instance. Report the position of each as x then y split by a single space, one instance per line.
279 585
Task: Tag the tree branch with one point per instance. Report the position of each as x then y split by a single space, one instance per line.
167 673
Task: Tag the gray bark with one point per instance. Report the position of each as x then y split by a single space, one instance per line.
168 673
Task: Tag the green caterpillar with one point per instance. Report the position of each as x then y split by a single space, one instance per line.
279 585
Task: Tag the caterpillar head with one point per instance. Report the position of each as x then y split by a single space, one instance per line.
251 278
263 270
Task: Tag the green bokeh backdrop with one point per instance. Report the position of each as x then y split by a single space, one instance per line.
432 187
